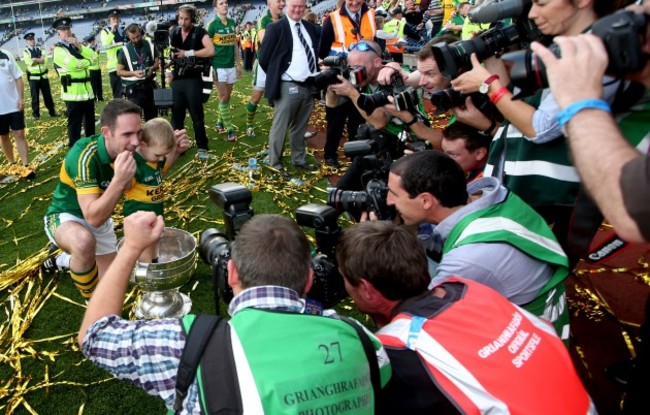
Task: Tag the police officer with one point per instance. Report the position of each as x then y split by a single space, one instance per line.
72 60
137 62
112 38
36 66
95 70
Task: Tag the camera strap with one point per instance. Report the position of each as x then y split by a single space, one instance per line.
371 356
221 393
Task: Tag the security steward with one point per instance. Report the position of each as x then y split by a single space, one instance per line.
137 63
95 70
348 24
113 38
36 66
72 60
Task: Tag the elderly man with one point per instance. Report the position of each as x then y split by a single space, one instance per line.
270 357
288 56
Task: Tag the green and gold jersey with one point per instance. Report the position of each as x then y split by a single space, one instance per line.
146 192
224 38
87 169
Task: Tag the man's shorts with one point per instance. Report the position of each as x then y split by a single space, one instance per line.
14 120
227 75
259 77
105 238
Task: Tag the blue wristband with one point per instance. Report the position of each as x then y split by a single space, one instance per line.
571 110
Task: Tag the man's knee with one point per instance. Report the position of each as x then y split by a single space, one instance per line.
75 239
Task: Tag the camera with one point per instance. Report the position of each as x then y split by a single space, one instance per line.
375 166
337 65
161 36
214 246
328 287
446 99
405 97
455 58
622 33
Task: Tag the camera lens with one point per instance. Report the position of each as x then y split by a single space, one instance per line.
211 245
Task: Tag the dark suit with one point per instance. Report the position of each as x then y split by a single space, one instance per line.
292 100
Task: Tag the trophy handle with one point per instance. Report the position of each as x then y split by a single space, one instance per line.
139 273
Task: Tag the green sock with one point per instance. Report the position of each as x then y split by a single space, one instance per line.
250 113
224 112
85 281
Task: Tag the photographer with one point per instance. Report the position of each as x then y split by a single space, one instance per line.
535 163
453 349
137 63
522 261
191 48
351 23
266 359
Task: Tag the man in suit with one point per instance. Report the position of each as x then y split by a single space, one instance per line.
36 65
288 56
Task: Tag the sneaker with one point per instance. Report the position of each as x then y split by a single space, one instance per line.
27 172
202 154
309 134
232 136
250 132
283 174
220 128
50 265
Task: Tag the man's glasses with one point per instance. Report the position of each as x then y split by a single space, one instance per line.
362 47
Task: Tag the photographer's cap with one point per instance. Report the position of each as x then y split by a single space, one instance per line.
62 23
29 36
396 10
114 13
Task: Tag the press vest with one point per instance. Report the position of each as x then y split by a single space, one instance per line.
489 356
515 223
35 71
112 42
395 27
343 29
73 67
137 62
291 363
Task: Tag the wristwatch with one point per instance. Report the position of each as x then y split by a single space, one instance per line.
485 86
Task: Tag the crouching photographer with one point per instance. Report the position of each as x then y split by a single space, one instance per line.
208 364
137 62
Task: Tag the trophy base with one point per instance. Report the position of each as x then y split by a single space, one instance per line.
163 304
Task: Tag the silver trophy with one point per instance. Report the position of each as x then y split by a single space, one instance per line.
161 280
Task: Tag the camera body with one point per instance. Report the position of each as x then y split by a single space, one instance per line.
328 287
337 65
161 36
622 33
214 246
446 99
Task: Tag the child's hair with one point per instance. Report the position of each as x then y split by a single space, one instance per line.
158 131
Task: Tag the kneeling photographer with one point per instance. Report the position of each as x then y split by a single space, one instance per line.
137 62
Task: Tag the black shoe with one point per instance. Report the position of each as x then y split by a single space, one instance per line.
36 117
283 174
55 114
306 166
49 265
333 163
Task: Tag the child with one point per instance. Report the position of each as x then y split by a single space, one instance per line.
154 156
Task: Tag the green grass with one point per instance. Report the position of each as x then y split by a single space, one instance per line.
41 368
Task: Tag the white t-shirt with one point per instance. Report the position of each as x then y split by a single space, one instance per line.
9 72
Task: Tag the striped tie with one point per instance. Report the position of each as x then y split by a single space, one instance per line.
310 55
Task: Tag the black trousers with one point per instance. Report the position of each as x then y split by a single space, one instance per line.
96 84
187 94
116 84
79 112
142 95
42 85
336 119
